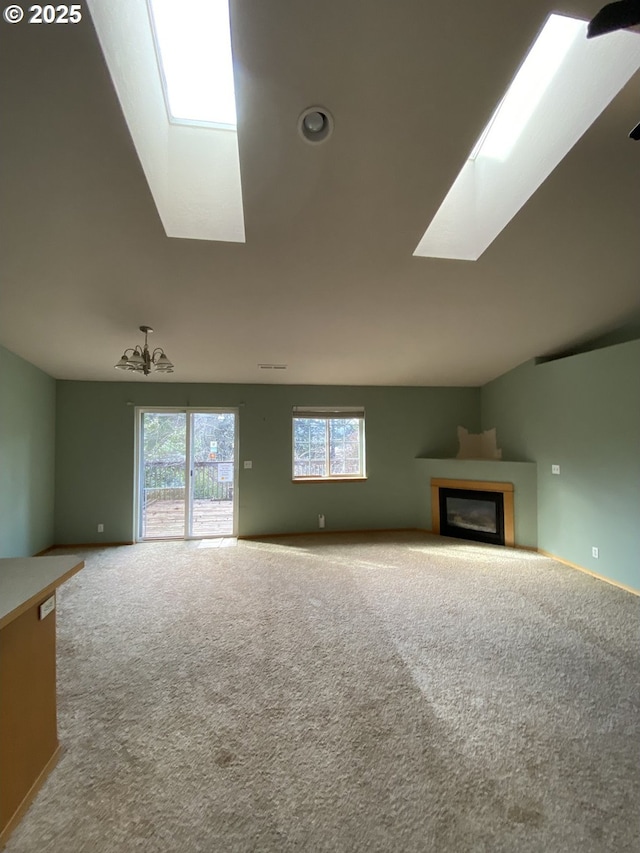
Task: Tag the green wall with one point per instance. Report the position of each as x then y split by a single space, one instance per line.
582 413
95 453
27 452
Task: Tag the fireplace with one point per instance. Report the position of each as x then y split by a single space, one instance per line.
476 510
468 514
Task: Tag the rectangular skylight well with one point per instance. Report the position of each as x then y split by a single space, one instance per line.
193 173
193 44
562 86
524 94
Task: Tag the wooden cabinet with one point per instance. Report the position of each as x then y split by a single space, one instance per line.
29 745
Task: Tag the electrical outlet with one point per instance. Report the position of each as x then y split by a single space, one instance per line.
248 463
47 607
595 552
555 469
101 528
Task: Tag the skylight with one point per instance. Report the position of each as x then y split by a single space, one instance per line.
187 144
562 86
524 94
193 42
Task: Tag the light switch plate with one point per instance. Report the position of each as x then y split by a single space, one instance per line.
248 464
555 469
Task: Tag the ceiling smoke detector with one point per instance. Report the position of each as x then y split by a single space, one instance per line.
315 124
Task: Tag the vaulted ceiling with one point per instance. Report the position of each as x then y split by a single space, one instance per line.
326 282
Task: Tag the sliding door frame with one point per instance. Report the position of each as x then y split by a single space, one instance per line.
138 484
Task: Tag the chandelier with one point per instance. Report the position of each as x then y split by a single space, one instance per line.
140 360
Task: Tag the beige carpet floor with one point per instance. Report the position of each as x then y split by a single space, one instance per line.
383 692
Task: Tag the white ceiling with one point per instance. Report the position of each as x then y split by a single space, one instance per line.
326 281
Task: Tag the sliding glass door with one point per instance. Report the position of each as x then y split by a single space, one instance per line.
212 473
186 479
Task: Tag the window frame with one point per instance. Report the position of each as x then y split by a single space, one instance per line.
327 414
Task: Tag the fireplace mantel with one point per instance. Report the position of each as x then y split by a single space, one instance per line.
523 476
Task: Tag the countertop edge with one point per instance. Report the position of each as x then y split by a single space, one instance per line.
40 594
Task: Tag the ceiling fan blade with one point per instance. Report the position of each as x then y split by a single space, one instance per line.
615 16
635 133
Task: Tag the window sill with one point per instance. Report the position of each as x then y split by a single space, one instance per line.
329 480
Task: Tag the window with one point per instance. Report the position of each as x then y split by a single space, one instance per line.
194 50
328 443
